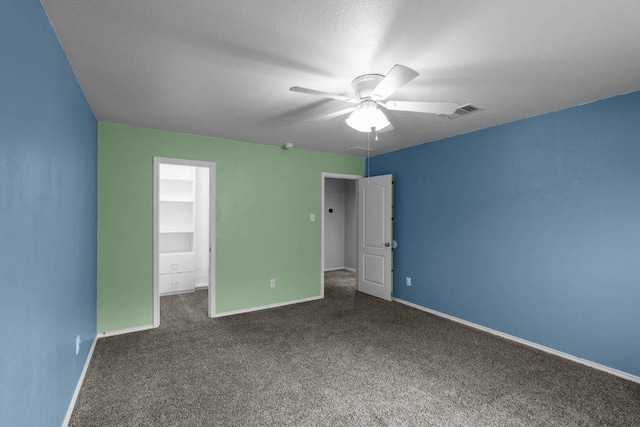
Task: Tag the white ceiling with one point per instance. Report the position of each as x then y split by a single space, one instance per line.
223 68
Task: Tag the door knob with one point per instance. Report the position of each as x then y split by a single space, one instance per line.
387 244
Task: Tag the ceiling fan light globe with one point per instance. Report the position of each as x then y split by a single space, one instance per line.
363 119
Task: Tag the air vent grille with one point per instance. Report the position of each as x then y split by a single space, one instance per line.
463 110
357 150
468 108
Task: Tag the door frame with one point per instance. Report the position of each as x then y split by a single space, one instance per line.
326 175
212 231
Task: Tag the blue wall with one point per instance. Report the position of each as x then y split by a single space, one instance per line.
48 148
530 228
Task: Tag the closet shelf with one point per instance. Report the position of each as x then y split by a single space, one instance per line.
177 253
177 230
177 200
176 227
177 179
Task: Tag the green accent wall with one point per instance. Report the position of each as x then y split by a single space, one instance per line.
264 196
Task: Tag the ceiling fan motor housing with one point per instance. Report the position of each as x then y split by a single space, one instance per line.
364 85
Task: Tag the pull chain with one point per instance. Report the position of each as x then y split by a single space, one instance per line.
368 151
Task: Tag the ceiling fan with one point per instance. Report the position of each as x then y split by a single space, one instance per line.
371 91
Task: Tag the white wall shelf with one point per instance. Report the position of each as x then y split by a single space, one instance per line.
187 178
176 228
178 253
176 199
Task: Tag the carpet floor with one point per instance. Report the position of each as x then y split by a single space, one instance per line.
347 360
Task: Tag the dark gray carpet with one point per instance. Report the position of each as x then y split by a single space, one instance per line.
347 360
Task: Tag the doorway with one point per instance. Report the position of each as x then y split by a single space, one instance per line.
374 222
339 229
184 230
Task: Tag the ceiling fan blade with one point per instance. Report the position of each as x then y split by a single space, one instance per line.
323 94
387 129
337 114
445 108
397 77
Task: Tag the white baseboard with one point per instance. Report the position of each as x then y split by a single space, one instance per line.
124 331
76 392
265 307
340 268
589 363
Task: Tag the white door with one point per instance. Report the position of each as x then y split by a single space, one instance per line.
374 236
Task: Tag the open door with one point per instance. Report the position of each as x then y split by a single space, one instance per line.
374 236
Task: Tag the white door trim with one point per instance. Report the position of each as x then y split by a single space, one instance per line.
324 176
212 231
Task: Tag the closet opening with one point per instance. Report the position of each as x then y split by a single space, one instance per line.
184 231
339 234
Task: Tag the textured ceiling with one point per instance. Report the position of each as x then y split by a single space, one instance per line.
224 68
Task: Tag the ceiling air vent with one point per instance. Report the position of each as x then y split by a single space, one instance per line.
463 110
357 150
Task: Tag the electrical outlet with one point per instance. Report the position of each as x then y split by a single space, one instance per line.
272 283
408 281
78 341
